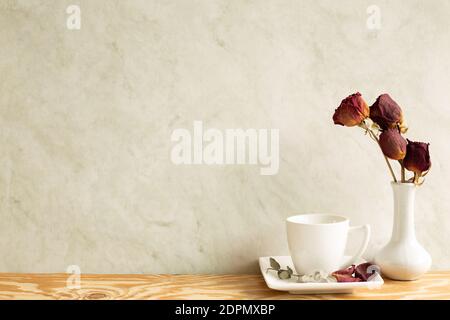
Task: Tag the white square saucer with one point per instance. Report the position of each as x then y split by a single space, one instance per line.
294 287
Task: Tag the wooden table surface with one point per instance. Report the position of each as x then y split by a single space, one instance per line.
435 285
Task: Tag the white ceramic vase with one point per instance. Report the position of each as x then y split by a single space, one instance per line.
403 258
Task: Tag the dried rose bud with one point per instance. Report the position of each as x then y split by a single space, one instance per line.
352 111
417 157
387 113
393 144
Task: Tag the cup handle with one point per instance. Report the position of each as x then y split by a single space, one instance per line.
352 260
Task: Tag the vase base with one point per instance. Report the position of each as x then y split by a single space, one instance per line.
402 276
397 263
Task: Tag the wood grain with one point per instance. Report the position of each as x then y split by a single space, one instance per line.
434 285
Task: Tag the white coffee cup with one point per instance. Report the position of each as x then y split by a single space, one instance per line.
317 242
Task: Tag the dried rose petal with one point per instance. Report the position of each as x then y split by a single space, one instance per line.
348 271
361 271
345 278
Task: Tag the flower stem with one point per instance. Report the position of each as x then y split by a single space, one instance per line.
374 137
403 171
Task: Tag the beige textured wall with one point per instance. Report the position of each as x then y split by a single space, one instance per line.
86 118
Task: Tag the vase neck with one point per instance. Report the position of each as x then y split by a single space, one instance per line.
404 196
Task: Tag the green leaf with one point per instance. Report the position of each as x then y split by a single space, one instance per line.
274 264
290 270
283 274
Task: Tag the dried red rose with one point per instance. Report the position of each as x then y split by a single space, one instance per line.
393 144
386 112
354 274
417 157
352 111
345 278
345 275
349 271
362 271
